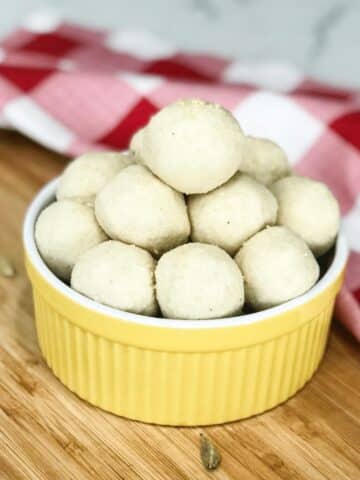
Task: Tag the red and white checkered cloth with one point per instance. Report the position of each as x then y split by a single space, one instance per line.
75 89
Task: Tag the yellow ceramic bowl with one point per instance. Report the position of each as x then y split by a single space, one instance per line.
178 372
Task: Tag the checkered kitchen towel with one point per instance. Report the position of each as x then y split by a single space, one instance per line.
74 89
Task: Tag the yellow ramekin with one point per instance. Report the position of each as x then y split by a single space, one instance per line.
178 372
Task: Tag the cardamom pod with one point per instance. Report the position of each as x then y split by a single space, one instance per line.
209 453
6 267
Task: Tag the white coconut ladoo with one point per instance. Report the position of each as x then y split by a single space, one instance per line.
308 208
85 176
277 266
135 146
64 231
117 275
190 175
264 160
198 281
192 145
138 208
233 212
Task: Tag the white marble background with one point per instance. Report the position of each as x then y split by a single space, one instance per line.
322 37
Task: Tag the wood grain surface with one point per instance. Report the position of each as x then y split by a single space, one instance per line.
47 433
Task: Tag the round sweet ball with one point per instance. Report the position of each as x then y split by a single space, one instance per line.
192 145
230 214
136 145
63 231
86 175
198 281
138 208
277 266
264 160
308 208
117 275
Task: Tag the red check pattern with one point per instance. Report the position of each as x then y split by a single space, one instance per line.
74 89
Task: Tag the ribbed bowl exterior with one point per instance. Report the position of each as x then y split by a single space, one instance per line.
213 382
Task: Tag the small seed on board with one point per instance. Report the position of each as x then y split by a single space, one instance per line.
209 453
6 267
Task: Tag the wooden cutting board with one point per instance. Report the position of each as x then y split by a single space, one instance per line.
47 433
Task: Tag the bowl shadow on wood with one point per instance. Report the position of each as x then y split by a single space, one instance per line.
23 321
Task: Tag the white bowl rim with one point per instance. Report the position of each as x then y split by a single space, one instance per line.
47 194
